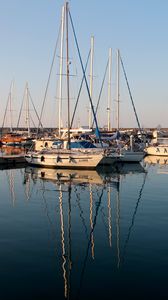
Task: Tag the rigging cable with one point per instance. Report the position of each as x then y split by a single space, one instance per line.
87 87
129 90
79 91
35 109
48 81
101 90
21 109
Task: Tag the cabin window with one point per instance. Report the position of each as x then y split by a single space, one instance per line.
42 158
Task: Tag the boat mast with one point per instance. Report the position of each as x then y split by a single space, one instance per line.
67 72
91 80
60 71
7 107
118 90
27 110
109 90
10 105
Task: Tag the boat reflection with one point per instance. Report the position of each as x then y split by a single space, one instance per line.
161 161
88 199
127 168
99 176
10 150
65 175
11 178
153 159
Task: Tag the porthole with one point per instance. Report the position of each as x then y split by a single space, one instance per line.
42 158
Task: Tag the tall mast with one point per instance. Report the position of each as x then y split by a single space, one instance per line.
7 107
91 79
10 105
109 90
27 110
67 72
60 72
118 90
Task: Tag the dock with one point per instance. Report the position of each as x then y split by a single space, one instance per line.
12 159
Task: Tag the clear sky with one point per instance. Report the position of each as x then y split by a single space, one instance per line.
139 29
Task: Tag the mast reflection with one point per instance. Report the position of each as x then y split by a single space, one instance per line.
91 193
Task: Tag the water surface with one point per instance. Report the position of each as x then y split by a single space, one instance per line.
84 234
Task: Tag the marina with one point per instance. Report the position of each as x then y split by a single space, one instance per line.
83 150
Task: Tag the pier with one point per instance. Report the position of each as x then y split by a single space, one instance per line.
12 159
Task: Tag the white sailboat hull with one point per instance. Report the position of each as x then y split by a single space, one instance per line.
65 159
160 150
132 156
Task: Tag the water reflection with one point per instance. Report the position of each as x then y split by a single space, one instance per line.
133 216
84 230
155 159
65 176
160 161
102 188
11 150
10 175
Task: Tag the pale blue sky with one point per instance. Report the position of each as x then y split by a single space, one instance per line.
28 32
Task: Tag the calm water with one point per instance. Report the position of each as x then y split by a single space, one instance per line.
84 235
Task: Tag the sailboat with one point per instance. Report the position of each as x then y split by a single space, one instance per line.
158 145
64 158
67 157
13 138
